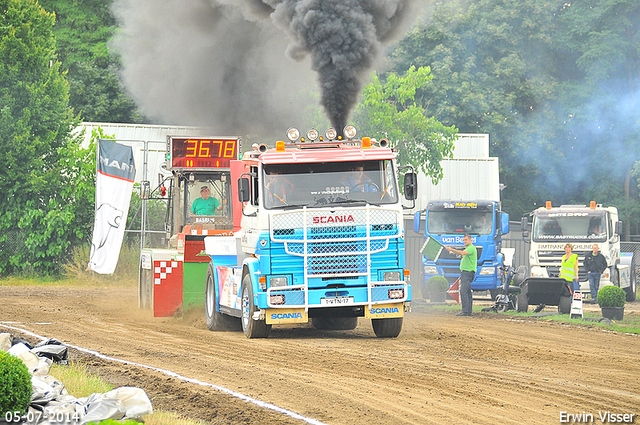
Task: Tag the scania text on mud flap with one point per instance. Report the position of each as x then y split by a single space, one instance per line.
318 236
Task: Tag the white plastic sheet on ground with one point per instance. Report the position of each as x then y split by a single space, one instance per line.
51 400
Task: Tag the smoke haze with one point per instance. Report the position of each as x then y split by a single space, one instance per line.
226 64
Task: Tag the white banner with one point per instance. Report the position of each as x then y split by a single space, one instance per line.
114 183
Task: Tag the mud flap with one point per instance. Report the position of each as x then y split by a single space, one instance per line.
286 315
384 311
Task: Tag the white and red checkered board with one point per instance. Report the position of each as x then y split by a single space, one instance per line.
167 288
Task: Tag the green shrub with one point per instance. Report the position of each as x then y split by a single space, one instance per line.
15 385
437 284
611 296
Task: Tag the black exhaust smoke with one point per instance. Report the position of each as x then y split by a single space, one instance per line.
343 37
218 63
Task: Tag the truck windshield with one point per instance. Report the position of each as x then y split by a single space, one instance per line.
561 226
460 221
328 183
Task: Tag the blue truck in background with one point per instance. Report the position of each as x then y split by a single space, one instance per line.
465 200
447 221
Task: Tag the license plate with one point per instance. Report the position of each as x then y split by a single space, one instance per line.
336 301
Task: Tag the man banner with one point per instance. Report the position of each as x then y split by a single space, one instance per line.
115 175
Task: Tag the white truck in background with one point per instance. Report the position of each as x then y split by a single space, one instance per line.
582 226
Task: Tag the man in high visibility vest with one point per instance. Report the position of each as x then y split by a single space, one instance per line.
569 267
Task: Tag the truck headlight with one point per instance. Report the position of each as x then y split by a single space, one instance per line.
430 270
276 299
278 281
293 134
391 276
331 133
395 294
487 271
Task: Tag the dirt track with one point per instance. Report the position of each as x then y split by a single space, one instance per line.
441 369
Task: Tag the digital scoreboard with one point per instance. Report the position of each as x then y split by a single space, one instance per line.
200 153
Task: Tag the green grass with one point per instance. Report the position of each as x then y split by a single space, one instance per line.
79 382
630 323
76 272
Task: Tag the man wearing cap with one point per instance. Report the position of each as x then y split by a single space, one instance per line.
205 205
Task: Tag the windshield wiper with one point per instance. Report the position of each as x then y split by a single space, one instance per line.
347 201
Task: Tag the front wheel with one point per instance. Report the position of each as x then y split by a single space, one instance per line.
251 328
387 328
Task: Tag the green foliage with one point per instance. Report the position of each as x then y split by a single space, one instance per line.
44 172
389 110
611 296
437 284
552 82
83 30
15 385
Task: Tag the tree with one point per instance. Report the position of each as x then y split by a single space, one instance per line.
44 204
83 29
540 76
389 110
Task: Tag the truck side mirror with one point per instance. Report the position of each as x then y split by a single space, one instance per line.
411 186
244 190
416 222
617 228
504 223
524 225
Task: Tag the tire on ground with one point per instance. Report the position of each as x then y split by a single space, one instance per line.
387 328
631 290
522 303
251 328
564 305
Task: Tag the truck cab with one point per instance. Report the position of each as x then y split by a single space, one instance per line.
320 238
447 222
582 226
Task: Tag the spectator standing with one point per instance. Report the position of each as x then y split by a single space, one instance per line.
468 266
569 267
596 264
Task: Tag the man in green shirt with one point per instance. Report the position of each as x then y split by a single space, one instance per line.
205 205
468 266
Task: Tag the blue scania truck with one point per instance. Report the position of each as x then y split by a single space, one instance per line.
466 200
318 237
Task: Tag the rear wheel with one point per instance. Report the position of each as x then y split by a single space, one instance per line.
387 328
522 303
564 305
334 323
631 290
251 328
216 321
